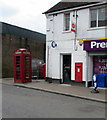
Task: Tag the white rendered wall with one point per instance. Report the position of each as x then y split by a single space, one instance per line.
65 41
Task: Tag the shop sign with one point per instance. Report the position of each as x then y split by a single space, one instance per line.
53 44
95 45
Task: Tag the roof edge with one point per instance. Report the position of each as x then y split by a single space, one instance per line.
21 27
75 8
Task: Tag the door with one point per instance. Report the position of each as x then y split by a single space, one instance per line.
28 70
78 72
66 68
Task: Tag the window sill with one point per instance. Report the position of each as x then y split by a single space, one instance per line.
66 31
97 28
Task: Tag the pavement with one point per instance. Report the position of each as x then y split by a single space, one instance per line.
63 89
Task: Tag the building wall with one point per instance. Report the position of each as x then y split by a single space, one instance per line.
55 56
55 23
65 41
10 43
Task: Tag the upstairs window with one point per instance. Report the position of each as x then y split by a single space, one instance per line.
93 18
98 17
66 21
102 17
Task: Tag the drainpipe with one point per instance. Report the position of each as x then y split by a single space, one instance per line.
75 41
47 61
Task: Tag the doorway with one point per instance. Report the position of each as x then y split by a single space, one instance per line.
66 69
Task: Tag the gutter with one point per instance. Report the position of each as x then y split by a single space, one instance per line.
76 8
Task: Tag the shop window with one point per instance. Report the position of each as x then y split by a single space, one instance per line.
66 21
100 64
98 17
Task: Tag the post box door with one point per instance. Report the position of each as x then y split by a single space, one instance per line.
78 72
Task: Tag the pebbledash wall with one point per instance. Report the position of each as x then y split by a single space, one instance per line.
88 56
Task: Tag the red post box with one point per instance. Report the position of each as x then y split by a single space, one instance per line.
42 71
78 72
44 66
22 66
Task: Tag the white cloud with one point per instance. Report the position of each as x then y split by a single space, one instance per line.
26 13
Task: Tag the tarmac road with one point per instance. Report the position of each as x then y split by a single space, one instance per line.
27 103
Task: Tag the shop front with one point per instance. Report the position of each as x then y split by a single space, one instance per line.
100 64
97 57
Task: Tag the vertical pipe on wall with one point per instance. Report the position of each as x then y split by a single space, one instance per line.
75 41
47 62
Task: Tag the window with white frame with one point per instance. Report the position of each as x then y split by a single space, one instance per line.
98 17
66 21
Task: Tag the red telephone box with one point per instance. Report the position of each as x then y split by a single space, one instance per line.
22 65
78 72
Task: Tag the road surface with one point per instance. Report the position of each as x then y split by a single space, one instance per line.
20 102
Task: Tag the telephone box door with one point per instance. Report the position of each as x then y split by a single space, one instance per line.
27 70
78 72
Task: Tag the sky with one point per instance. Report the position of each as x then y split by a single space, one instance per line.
26 13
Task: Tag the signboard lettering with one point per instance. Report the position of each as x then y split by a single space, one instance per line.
99 45
95 45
